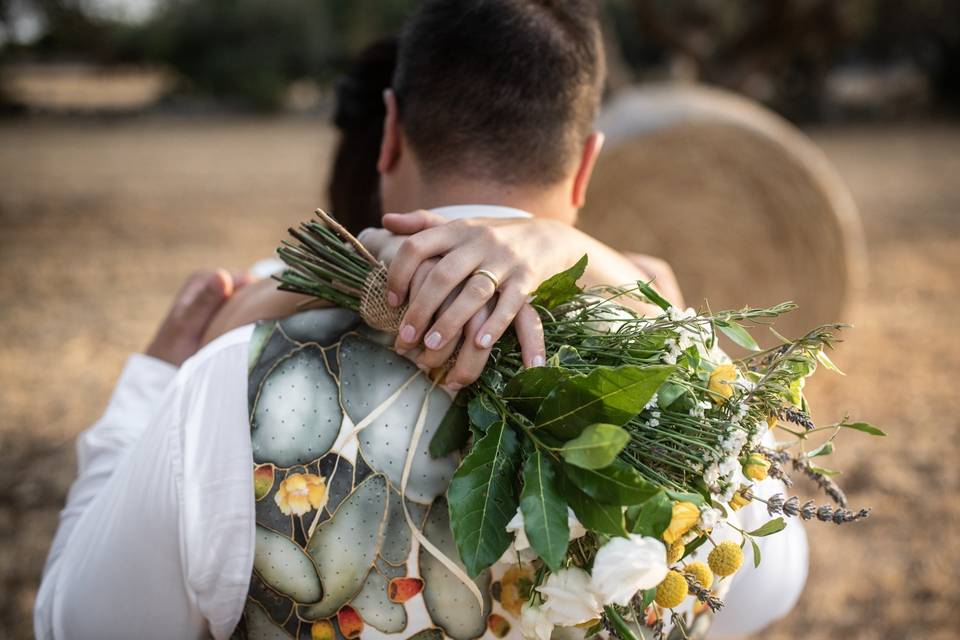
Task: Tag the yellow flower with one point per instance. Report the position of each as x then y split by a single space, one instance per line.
672 590
721 382
725 558
685 515
675 552
515 587
300 493
756 467
701 572
739 500
772 420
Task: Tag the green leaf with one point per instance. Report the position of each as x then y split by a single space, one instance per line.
771 527
692 356
452 432
650 294
596 447
738 334
483 498
619 624
825 472
617 484
689 548
828 363
686 496
610 395
823 450
492 378
668 394
594 515
565 356
482 413
653 516
544 510
648 597
561 287
527 390
756 552
865 427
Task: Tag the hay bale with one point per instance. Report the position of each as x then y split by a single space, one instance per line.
774 221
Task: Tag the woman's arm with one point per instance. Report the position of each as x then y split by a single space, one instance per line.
430 263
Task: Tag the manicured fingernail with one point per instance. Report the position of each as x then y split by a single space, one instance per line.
537 361
393 299
486 340
408 333
454 386
433 340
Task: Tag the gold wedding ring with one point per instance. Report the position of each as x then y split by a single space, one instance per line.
490 276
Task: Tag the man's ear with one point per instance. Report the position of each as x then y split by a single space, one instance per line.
591 149
390 144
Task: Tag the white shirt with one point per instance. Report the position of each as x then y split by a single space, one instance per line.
157 537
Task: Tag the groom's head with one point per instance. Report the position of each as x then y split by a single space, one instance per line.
496 94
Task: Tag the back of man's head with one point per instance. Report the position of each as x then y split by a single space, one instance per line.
500 90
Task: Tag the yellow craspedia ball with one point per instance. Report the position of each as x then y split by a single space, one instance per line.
675 552
672 590
725 558
701 572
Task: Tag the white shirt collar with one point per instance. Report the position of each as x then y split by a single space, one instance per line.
460 211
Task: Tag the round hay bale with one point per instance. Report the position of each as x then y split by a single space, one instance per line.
742 205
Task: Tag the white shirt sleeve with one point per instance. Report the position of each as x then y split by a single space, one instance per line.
156 540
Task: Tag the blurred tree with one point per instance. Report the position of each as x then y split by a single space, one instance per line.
242 51
782 52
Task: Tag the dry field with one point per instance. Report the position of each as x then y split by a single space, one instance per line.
100 220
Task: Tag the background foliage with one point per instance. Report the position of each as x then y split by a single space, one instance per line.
247 52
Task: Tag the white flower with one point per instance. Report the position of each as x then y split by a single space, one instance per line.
673 351
676 315
520 542
709 518
534 624
712 475
728 466
517 556
625 566
568 598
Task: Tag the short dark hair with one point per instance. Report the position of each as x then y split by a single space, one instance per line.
504 90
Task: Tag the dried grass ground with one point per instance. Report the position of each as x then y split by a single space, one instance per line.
101 220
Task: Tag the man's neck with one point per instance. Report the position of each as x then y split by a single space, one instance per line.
550 202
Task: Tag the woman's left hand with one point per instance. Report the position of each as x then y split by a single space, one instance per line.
518 252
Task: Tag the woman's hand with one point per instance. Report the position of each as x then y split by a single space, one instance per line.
519 253
465 334
180 334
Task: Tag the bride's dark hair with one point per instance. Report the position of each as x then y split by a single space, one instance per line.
353 189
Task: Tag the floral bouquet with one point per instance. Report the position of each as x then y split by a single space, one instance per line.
607 468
